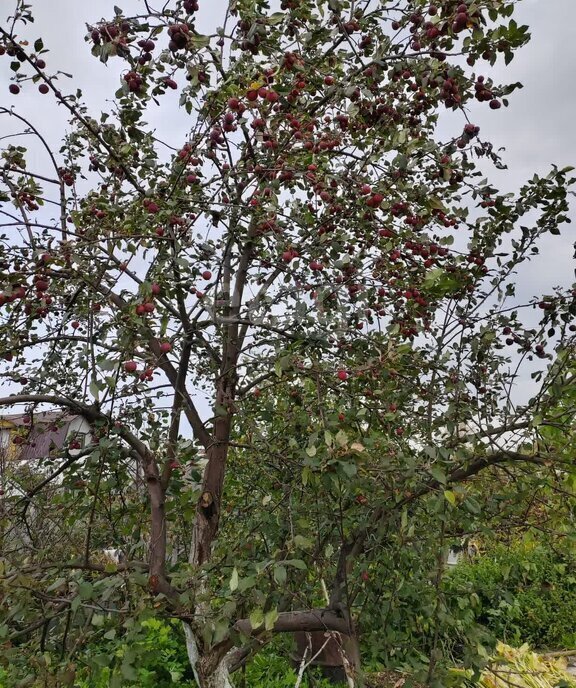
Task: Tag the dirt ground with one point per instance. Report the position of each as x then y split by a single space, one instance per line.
387 679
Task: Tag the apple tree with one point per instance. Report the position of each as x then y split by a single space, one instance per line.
293 326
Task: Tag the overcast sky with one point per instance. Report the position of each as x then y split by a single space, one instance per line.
538 128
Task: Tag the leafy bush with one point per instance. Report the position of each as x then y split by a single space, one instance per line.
161 662
526 594
157 660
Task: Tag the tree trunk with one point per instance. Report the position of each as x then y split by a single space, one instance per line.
218 679
206 675
208 508
336 655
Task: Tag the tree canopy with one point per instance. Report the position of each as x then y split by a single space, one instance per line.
295 334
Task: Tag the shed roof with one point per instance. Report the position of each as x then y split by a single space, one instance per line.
47 431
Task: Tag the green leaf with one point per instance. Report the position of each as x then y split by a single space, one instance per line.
276 18
256 618
85 590
245 583
403 520
95 389
102 660
349 468
128 671
438 474
220 631
199 41
280 574
56 584
436 203
450 497
234 580
433 277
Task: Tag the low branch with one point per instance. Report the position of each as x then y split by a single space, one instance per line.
89 412
483 462
354 545
133 565
559 653
306 621
39 623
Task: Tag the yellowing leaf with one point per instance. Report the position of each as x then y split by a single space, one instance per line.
270 619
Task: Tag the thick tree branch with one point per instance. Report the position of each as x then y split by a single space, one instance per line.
308 620
91 413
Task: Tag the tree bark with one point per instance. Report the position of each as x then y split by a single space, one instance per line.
206 677
336 655
209 504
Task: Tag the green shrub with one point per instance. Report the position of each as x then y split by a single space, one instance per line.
526 594
162 662
158 659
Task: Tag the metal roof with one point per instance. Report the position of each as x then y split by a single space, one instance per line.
47 431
